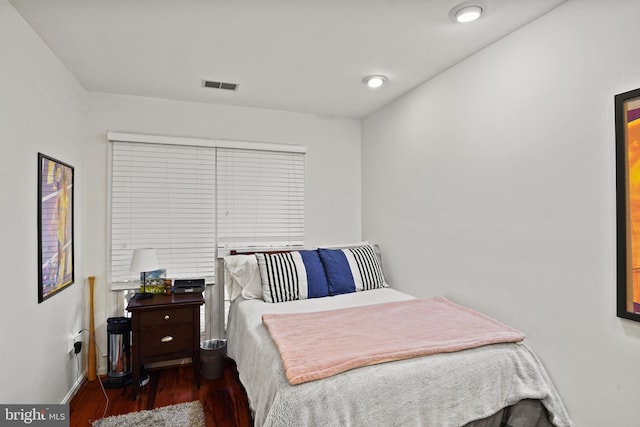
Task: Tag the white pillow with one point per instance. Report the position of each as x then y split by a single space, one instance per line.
242 277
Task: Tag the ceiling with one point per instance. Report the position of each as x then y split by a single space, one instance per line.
295 55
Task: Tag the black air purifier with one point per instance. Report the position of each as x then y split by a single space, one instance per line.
119 352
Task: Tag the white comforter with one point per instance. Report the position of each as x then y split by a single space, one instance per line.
439 390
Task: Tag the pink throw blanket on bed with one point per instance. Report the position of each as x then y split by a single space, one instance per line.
321 344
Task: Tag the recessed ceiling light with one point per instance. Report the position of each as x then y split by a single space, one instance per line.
374 81
468 11
468 14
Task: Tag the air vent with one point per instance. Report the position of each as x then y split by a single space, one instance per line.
220 85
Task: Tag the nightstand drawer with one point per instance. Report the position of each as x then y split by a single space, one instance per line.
165 317
165 340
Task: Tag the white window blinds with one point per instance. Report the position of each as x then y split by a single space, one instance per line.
166 196
163 196
260 198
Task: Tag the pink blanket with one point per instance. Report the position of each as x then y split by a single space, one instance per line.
321 344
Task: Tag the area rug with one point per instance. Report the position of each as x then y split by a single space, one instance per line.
188 414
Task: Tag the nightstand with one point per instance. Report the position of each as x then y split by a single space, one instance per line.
165 327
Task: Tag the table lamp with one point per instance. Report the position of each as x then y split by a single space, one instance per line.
143 260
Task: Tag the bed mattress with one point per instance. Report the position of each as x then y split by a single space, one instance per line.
450 389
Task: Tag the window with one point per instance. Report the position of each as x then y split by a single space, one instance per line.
260 198
188 197
163 196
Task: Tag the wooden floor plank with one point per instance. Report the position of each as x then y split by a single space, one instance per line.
224 399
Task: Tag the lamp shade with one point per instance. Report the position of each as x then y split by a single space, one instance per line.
144 259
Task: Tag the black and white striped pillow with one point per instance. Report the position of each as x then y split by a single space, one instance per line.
369 272
290 276
352 269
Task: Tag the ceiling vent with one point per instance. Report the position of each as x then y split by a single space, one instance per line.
220 85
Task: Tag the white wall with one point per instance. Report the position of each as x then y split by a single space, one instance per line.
44 109
333 172
494 184
41 110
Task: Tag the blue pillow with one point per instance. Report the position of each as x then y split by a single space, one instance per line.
338 271
352 269
290 276
317 285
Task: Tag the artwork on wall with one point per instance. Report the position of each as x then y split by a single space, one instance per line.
627 113
55 226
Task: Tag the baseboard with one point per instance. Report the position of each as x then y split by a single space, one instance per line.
75 388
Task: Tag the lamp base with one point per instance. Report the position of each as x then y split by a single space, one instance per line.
143 295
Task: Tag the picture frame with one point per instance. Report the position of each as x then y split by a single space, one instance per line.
56 270
627 128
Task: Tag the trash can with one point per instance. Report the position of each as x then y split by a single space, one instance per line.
118 352
212 354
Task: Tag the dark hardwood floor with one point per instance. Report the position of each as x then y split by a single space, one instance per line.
224 399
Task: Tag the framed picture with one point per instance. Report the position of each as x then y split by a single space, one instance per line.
55 226
627 123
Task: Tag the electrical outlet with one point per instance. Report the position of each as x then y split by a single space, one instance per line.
72 340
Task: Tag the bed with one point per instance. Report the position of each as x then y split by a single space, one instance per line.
501 384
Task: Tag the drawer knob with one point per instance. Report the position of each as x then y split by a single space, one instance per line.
167 317
168 338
